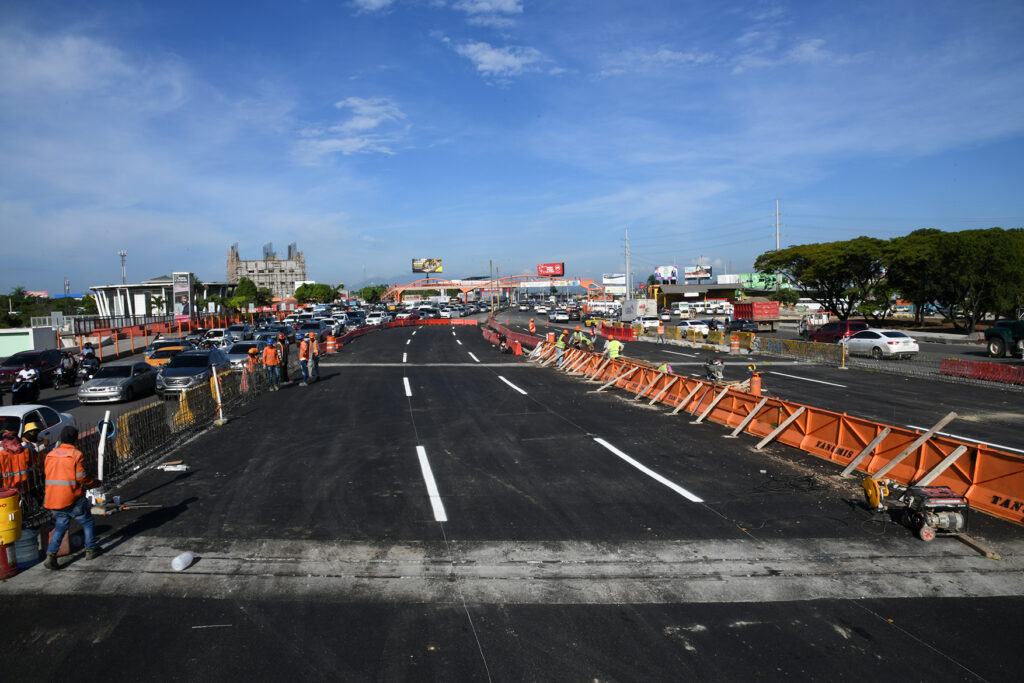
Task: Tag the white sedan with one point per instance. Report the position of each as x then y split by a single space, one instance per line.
881 344
50 421
648 322
685 325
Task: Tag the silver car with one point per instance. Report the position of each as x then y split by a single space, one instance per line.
124 381
238 353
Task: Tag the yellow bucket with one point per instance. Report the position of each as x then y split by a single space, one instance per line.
10 516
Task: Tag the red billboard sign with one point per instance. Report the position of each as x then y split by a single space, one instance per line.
551 269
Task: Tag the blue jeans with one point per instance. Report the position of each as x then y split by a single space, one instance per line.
315 372
62 518
272 376
558 355
304 364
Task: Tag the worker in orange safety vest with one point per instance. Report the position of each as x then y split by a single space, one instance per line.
305 348
533 327
661 331
272 361
16 462
66 483
253 364
314 357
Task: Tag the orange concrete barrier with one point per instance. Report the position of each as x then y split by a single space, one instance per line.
991 479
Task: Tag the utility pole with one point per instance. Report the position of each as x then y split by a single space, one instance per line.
491 287
124 273
629 274
778 275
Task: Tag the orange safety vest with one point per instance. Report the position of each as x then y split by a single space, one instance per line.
66 480
270 356
661 328
533 328
254 363
316 347
304 349
16 468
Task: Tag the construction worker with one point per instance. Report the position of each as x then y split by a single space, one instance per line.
533 327
560 346
282 353
661 331
272 361
66 483
665 367
253 364
615 348
314 356
304 351
17 462
580 339
30 437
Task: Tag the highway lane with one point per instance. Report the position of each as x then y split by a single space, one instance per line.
321 553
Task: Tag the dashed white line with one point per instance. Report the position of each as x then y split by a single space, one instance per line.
511 385
807 379
676 353
428 478
459 342
404 357
408 389
414 332
966 438
474 357
408 341
649 472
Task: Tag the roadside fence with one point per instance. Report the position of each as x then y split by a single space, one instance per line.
989 372
990 478
794 348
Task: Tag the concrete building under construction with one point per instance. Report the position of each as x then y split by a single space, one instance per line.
278 275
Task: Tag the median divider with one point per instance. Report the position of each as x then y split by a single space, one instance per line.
990 478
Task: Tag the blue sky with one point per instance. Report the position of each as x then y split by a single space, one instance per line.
374 131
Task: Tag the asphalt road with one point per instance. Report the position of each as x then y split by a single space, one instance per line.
432 510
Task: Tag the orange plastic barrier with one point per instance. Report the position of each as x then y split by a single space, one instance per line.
991 479
332 344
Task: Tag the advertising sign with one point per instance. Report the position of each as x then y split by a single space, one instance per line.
666 274
615 290
697 272
614 279
764 281
427 265
39 294
551 269
181 289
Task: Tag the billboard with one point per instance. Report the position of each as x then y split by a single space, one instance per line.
550 269
666 274
697 272
427 265
181 290
39 294
614 279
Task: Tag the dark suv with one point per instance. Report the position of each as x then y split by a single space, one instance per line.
832 332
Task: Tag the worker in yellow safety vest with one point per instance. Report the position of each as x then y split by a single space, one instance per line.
580 339
560 346
533 327
665 367
615 348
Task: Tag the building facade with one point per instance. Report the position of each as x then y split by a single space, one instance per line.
277 275
151 297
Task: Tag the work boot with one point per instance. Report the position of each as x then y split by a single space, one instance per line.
51 561
93 553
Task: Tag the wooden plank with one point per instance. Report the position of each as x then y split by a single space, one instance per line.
868 450
914 446
743 425
941 467
663 392
778 430
710 407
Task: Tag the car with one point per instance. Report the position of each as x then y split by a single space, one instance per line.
541 309
558 316
713 324
524 308
591 320
648 322
240 331
164 342
405 315
881 344
742 325
163 355
14 418
313 327
238 353
375 318
45 362
666 314
287 330
446 313
265 336
122 381
698 325
196 335
832 332
189 369
575 314
217 336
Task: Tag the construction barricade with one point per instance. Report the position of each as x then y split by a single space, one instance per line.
989 372
990 478
827 353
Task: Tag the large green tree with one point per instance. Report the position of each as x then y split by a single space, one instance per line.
372 293
246 288
316 293
915 270
983 272
838 275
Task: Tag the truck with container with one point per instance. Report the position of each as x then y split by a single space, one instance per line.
764 313
637 308
1006 336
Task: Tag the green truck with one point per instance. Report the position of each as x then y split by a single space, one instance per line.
1006 336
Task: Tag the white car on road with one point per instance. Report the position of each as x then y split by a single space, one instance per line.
685 325
879 343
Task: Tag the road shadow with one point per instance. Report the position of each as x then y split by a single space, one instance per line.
148 521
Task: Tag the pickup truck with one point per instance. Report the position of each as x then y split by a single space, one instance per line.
1005 335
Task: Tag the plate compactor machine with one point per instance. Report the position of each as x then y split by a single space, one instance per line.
929 511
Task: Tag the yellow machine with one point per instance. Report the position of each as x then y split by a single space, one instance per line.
875 490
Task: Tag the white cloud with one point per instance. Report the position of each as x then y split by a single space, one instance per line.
640 61
494 13
353 135
371 5
368 113
500 62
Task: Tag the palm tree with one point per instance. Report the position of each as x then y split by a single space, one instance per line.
157 303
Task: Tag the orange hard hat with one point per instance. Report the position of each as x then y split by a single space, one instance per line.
577 327
252 352
311 335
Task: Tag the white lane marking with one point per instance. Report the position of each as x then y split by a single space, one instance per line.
404 357
414 332
408 341
474 357
808 379
676 353
649 472
511 385
428 478
408 389
967 438
458 342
